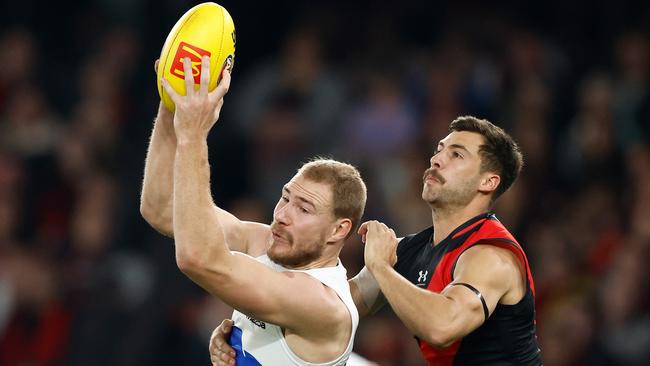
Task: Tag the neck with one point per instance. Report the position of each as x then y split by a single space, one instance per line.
447 219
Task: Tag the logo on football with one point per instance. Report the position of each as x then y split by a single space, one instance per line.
229 63
194 54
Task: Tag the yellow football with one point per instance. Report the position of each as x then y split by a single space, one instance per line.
206 29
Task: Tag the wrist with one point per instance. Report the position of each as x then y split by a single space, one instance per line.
190 141
377 266
164 113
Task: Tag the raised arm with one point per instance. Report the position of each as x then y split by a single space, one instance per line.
156 201
201 249
442 318
157 197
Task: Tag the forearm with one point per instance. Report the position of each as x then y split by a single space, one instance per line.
428 315
366 293
197 229
156 201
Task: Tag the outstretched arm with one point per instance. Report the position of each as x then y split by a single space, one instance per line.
156 201
202 252
442 318
197 225
365 290
366 293
157 197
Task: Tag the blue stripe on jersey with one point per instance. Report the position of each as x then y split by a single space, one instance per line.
242 358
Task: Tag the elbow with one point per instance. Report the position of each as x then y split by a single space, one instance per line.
442 336
147 213
155 219
446 326
440 339
200 267
188 263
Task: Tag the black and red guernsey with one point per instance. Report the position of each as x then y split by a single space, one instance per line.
508 336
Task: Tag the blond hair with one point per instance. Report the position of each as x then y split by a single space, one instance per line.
348 188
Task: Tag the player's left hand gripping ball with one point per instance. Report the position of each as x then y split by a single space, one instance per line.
205 30
199 110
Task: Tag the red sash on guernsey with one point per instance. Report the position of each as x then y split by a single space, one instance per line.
491 232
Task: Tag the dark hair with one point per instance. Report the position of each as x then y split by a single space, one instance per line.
499 152
348 188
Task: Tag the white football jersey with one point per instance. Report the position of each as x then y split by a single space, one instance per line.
261 343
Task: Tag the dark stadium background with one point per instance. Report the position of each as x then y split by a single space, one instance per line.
83 279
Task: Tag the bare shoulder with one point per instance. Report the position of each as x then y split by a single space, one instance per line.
488 262
496 269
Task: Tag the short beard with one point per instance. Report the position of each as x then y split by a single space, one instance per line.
296 258
446 197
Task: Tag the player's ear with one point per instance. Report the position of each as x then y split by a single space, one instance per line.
340 230
489 183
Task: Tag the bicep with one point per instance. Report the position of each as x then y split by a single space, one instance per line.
286 299
487 271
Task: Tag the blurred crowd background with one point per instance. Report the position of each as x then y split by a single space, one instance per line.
84 280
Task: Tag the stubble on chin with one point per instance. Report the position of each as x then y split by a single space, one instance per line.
428 195
293 257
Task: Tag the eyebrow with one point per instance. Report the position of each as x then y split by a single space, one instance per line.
303 199
457 146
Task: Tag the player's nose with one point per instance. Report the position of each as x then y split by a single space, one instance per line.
281 215
436 161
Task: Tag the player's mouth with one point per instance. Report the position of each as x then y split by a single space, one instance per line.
278 236
430 179
431 176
